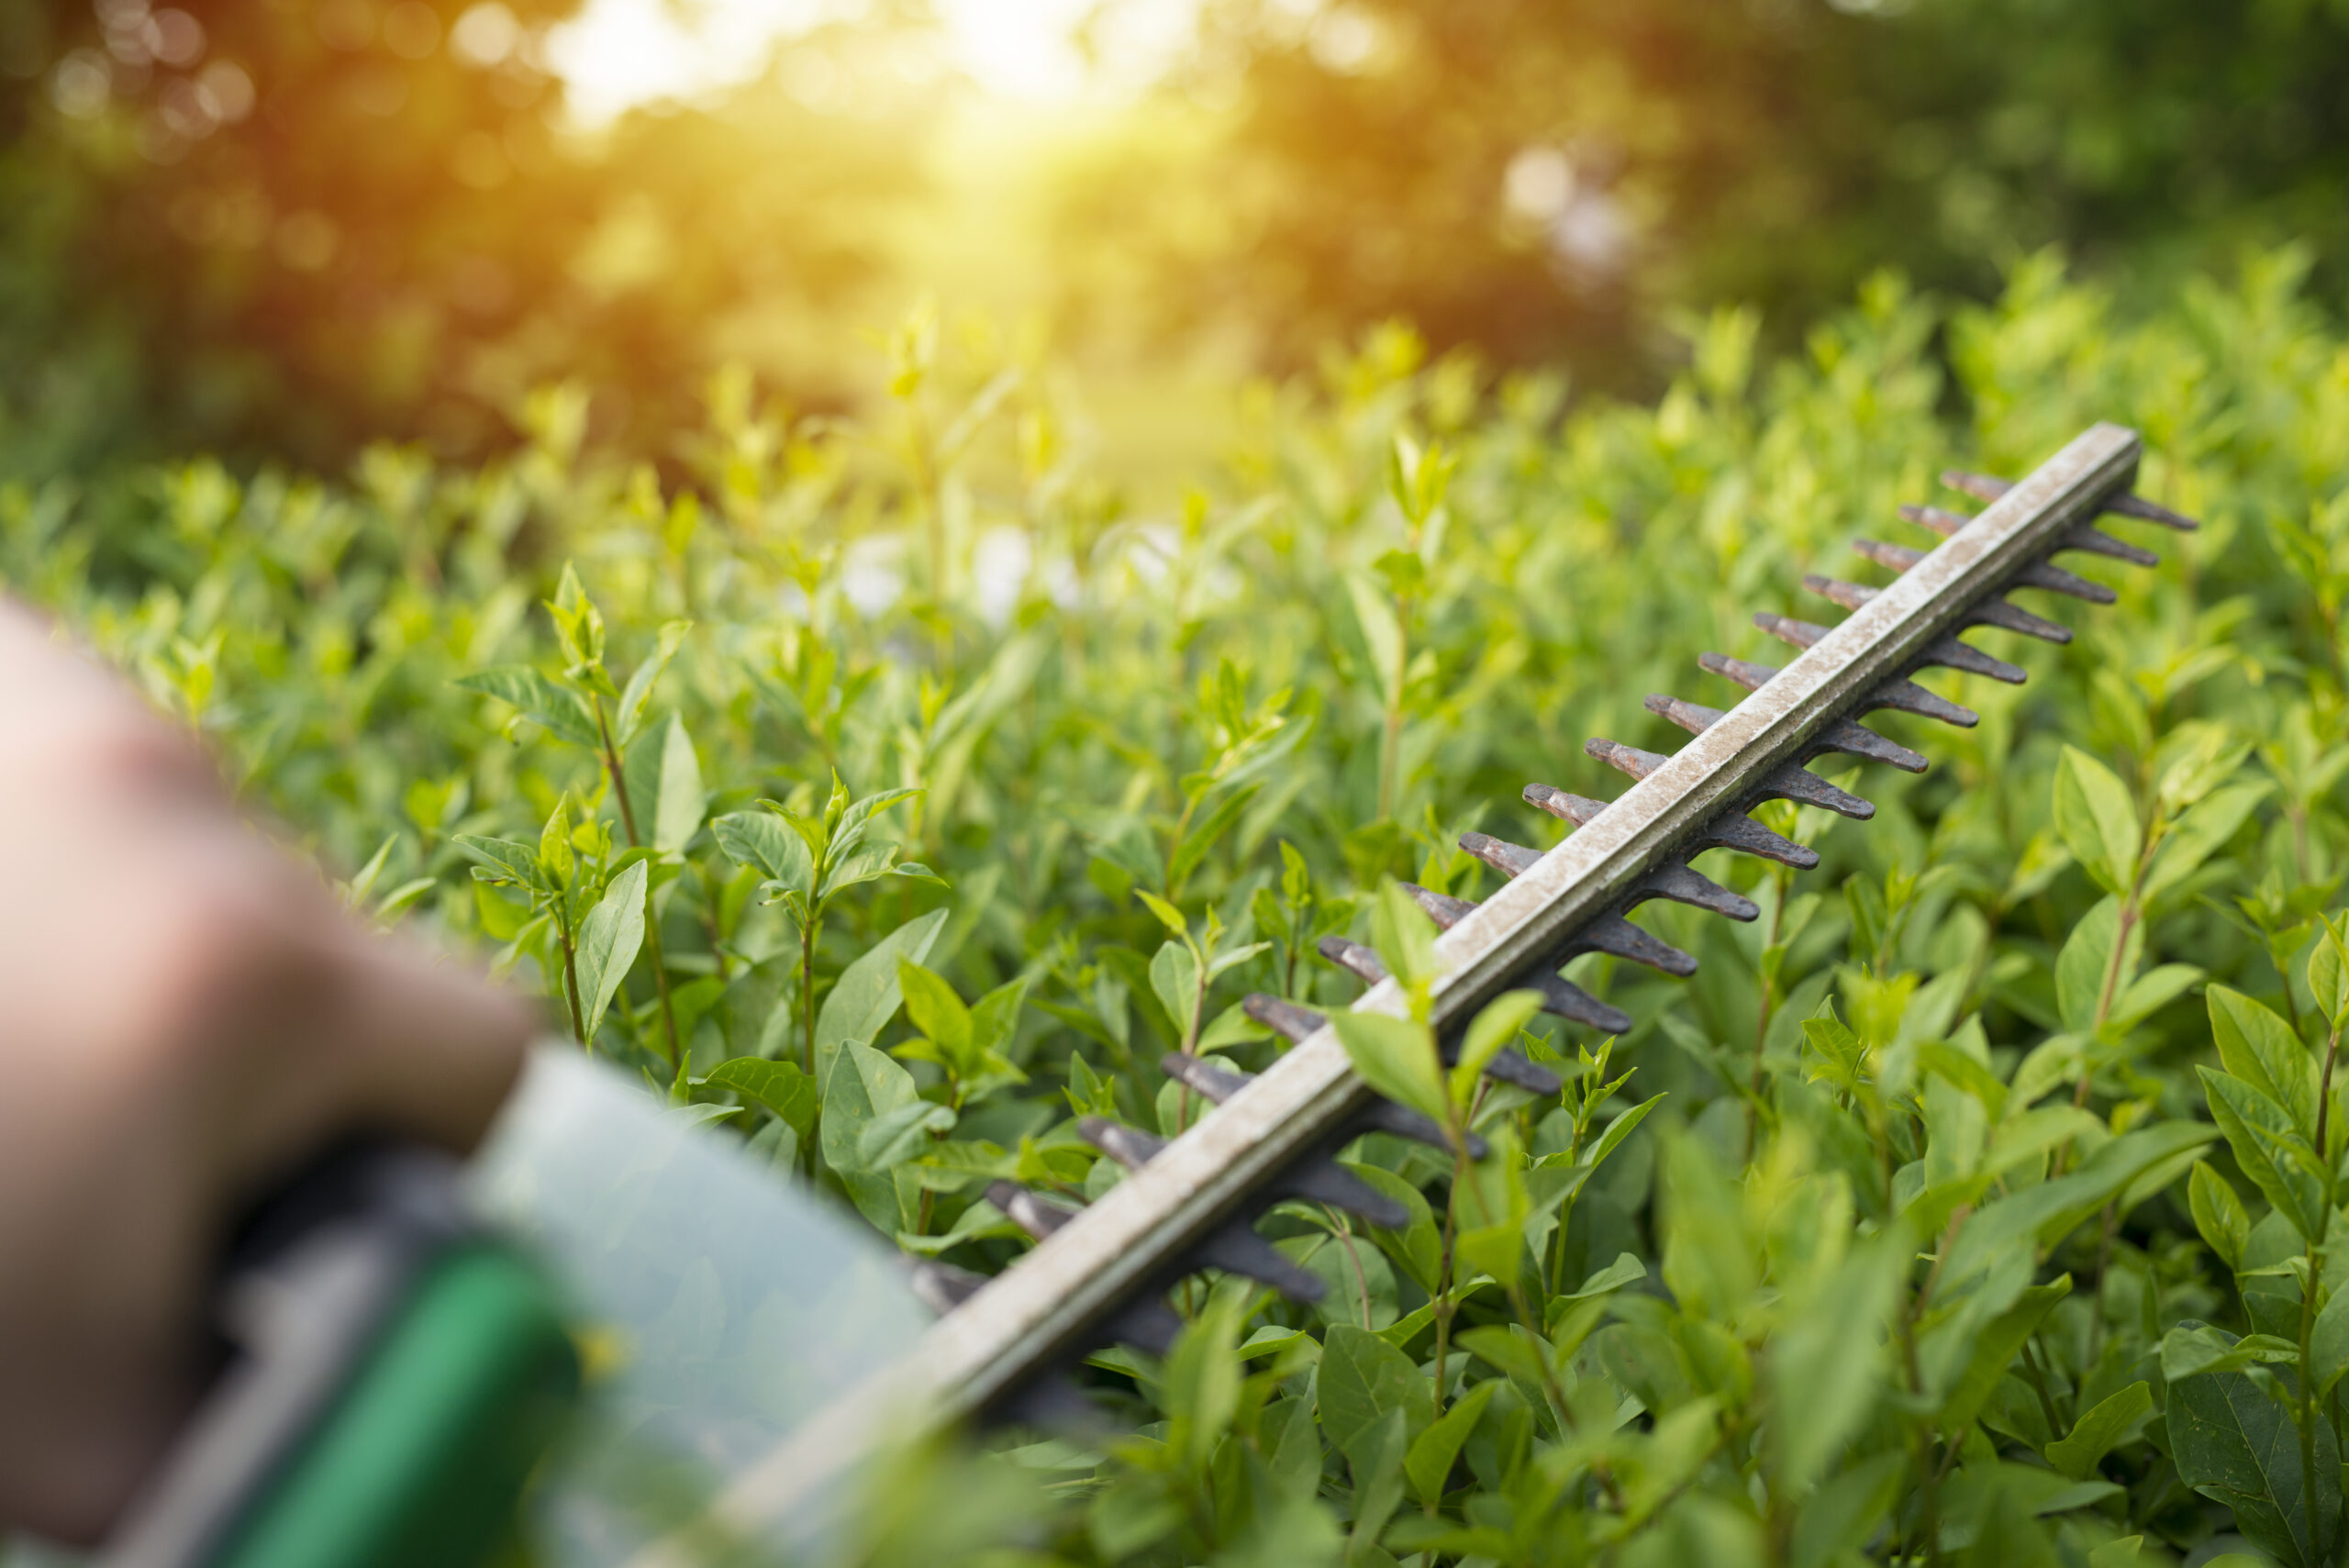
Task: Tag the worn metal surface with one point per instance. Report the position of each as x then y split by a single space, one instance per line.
1179 1206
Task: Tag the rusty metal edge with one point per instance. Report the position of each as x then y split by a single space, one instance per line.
1035 1315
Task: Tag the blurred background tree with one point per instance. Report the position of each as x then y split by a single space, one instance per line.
1548 179
288 227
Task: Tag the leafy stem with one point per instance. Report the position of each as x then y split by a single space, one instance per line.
2309 1288
570 972
636 841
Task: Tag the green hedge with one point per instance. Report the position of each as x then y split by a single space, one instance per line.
1904 1265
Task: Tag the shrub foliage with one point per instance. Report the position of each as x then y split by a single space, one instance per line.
897 794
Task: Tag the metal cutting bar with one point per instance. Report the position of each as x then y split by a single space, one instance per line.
1041 1313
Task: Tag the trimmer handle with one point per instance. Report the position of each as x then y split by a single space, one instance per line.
393 1378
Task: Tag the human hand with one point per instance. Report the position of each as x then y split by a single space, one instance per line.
187 1015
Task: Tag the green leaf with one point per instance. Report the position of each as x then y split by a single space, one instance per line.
1621 1128
1434 1451
631 710
556 855
2218 1213
1382 635
2081 968
896 1136
552 708
933 1009
2328 973
868 865
767 843
2097 820
2201 830
682 801
1200 1390
2262 1138
2236 1445
1174 981
1403 934
1839 1518
2000 1343
1230 1027
1361 1378
2154 989
507 861
1168 916
1395 1057
1626 1268
1827 1366
608 940
996 1015
2192 1350
862 1086
1418 1246
2260 1049
1205 833
2042 1214
867 992
1493 1028
2329 1344
2101 1430
1506 1347
783 1087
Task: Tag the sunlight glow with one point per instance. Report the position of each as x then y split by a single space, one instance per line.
616 54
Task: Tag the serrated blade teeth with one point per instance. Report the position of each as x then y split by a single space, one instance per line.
1948 650
1806 788
1287 1019
1614 935
1027 1210
2091 540
1941 520
1744 834
1750 675
1859 740
1510 859
1786 628
1989 487
1851 596
2055 579
1216 1084
1052 1402
1577 810
1908 696
1385 1116
1511 1066
2006 618
1323 1181
1952 655
1694 718
1625 759
1235 1249
942 1287
1895 556
1441 908
1211 1080
1353 958
1149 1324
1843 735
1129 1146
1569 1001
1682 885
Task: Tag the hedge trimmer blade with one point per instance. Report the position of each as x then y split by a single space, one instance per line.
1097 1275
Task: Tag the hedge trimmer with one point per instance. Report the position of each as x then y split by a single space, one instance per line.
1004 1348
